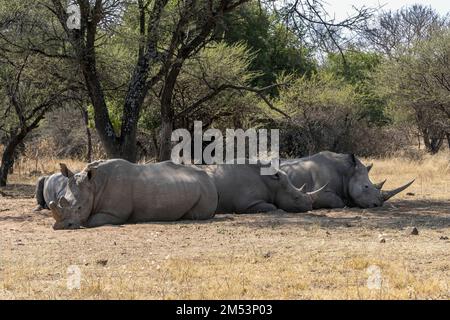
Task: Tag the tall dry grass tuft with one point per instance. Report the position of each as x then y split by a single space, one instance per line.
432 174
27 170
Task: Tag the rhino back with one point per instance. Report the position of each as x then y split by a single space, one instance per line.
318 170
238 186
139 193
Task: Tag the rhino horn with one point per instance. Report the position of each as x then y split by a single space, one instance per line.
389 194
369 167
379 185
55 213
315 194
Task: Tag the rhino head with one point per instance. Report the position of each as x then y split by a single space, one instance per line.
292 199
74 208
363 192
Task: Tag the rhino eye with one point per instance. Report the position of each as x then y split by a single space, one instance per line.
367 187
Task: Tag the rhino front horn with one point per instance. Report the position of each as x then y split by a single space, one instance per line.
315 194
389 194
56 215
303 188
379 185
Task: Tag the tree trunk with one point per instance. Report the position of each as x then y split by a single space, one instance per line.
167 112
88 134
165 144
8 158
432 143
102 120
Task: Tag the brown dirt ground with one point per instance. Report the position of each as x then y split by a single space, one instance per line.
322 254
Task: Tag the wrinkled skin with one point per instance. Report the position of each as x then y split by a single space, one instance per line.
348 180
117 192
242 189
48 189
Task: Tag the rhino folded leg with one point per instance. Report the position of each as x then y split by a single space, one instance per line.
202 210
260 207
328 200
101 219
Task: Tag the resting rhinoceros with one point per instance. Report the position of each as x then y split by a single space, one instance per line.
242 189
348 180
50 188
117 191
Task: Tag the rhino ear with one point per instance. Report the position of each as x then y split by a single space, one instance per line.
65 171
276 176
91 172
353 159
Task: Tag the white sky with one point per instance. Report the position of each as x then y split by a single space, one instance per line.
342 8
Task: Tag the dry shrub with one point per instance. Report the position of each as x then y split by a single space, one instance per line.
299 138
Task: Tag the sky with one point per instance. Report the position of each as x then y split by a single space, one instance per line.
342 8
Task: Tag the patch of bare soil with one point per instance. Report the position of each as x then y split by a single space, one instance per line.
322 254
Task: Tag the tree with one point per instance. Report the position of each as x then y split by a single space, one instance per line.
28 96
419 80
359 69
169 33
30 85
321 115
311 22
395 30
276 48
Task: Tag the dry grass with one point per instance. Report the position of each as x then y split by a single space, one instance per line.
323 254
432 174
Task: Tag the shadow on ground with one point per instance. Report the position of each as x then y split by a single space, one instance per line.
396 215
17 191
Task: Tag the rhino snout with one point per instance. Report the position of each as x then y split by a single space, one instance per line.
65 225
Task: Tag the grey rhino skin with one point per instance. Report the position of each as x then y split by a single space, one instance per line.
348 180
51 188
117 192
242 189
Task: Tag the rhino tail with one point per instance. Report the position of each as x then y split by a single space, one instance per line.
39 194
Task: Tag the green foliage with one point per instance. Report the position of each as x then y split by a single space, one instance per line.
320 90
417 86
277 49
324 115
114 110
358 68
210 69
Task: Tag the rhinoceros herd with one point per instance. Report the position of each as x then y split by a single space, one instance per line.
117 191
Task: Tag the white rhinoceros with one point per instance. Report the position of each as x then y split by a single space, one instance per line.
117 192
242 189
348 180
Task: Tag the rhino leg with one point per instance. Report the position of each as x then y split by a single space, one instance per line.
328 200
260 207
202 210
206 205
39 194
101 219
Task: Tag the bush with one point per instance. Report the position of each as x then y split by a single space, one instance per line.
325 115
